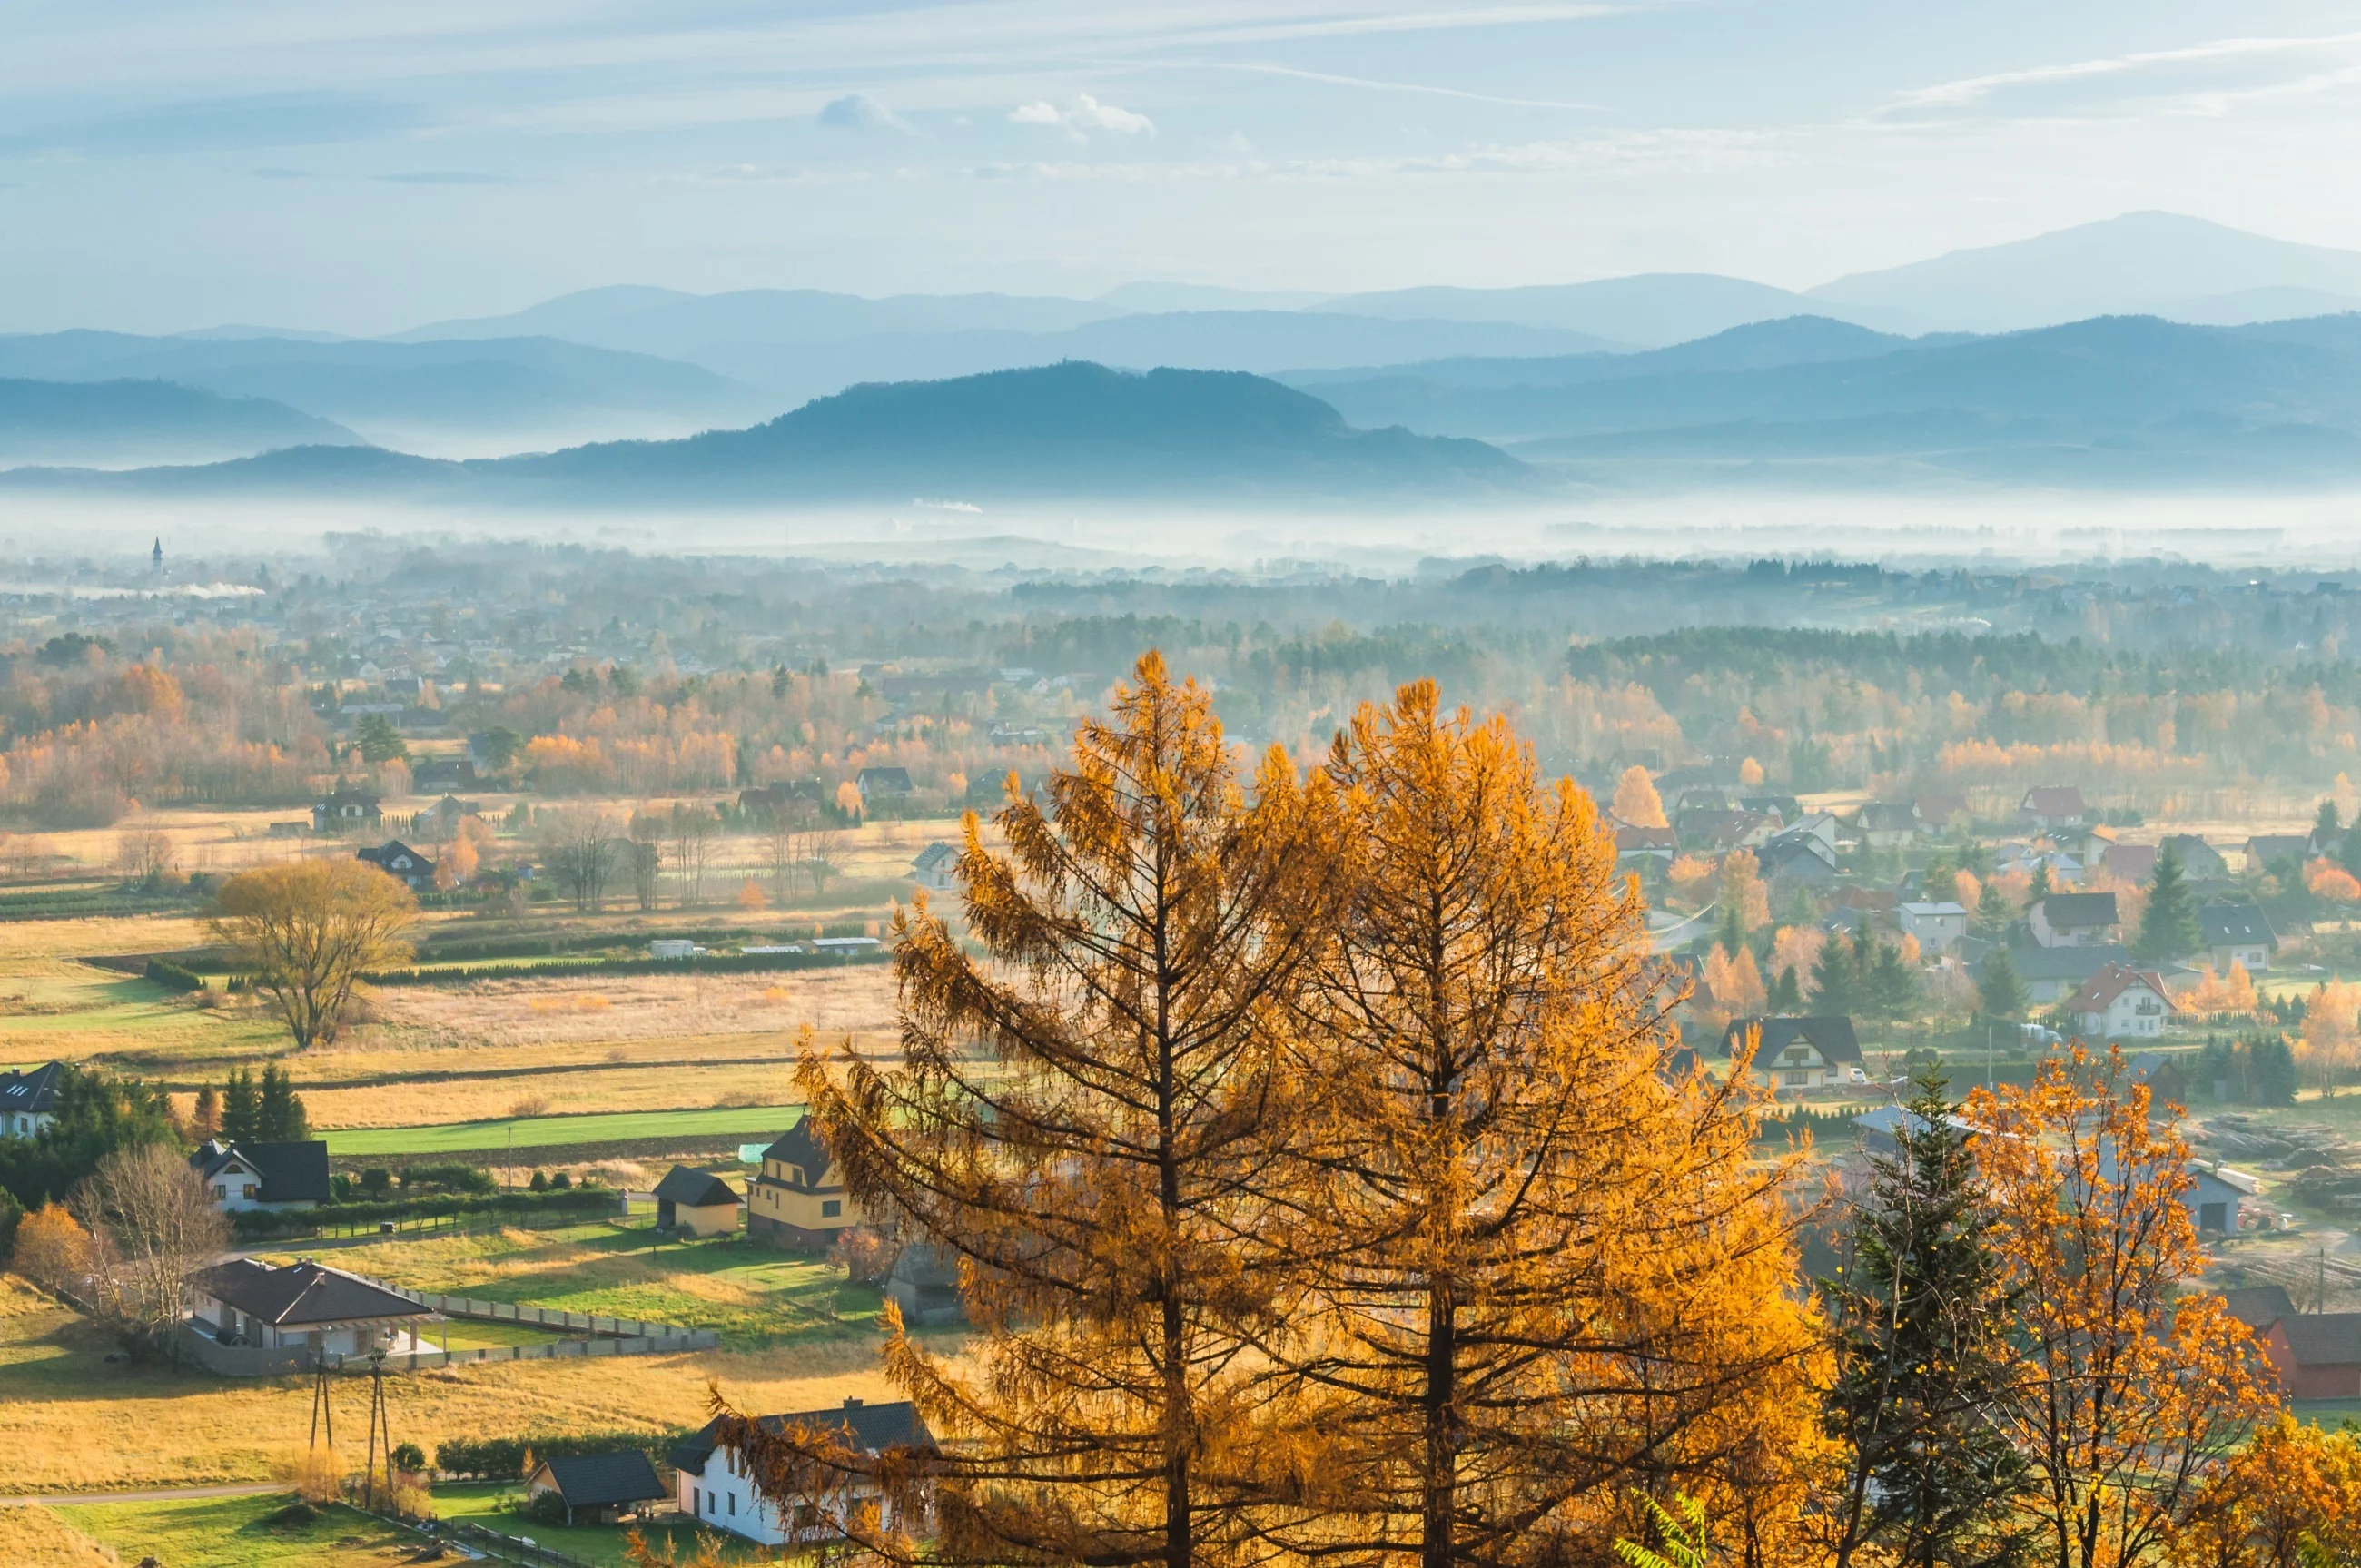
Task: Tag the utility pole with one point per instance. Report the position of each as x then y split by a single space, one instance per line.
323 1412
380 1434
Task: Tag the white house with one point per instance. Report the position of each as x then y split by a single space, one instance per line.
712 1488
28 1101
304 1306
2075 920
2235 933
1938 927
263 1176
1887 824
2121 1002
1800 1053
935 867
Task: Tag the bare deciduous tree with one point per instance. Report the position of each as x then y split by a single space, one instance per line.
580 846
690 835
822 851
152 1225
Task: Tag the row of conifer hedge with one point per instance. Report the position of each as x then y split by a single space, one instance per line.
503 1458
256 1222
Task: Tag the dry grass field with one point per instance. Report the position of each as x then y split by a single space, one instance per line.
71 1421
36 1538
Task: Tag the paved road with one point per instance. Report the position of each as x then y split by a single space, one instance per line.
161 1495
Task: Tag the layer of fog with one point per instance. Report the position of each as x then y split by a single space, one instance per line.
2030 527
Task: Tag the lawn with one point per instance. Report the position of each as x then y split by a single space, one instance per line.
615 1127
238 1533
72 1420
603 1545
751 1295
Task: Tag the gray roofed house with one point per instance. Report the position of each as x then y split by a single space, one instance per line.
606 1486
883 783
2239 934
1797 861
696 1200
2075 920
2197 858
718 1495
271 1176
923 1283
935 866
1884 824
2317 1354
2258 1306
1801 1053
304 1306
28 1101
2265 850
2053 975
2052 805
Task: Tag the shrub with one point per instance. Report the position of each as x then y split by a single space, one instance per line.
174 977
539 1182
377 1181
317 1476
447 1175
408 1456
560 1183
547 1508
505 1458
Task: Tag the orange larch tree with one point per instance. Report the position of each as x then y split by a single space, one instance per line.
1083 1114
1538 1270
2127 1394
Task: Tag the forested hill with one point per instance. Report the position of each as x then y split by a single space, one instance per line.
1075 429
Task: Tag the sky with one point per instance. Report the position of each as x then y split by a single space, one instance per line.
361 169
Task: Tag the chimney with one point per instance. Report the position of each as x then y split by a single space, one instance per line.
851 1404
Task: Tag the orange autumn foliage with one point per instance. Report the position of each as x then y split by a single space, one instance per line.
2233 992
2132 1390
2327 879
1733 988
1636 801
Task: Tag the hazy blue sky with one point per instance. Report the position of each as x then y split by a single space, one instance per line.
362 168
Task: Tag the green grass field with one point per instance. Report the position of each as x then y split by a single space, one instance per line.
603 1545
234 1532
751 1295
745 1122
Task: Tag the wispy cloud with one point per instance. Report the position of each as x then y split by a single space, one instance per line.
860 113
2202 79
1082 116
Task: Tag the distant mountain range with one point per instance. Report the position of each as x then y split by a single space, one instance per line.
2114 399
490 396
1911 359
1070 430
106 424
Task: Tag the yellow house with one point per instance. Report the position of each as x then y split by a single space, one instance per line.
797 1199
697 1201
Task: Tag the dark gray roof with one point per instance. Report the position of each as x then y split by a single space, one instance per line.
893 781
2323 1339
291 1173
695 1189
1833 1036
2080 909
2259 1306
605 1480
800 1147
862 1426
2234 925
303 1293
2075 964
37 1090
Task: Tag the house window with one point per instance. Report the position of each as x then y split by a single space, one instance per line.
221 1191
247 1191
733 1505
830 1208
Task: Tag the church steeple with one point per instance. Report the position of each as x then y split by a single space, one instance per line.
155 557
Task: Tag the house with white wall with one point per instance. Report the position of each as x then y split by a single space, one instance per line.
713 1489
2121 1002
305 1306
242 1176
28 1099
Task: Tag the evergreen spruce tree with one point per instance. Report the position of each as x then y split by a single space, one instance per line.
1787 993
2041 888
204 1119
1992 912
1832 987
2327 828
280 1116
2169 928
1892 984
1921 1321
2002 993
239 1108
1732 935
